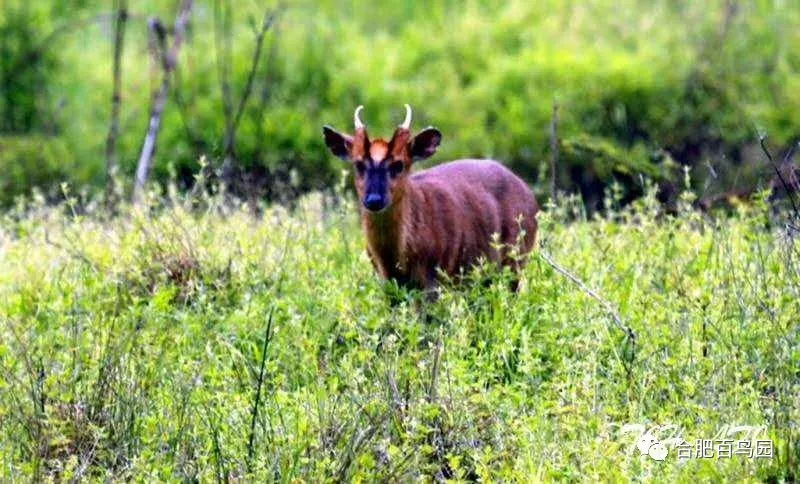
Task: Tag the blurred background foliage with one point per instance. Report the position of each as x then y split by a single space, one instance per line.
641 88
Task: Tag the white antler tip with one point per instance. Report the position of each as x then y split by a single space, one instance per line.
357 117
407 122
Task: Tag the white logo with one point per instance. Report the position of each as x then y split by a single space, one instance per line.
657 440
649 445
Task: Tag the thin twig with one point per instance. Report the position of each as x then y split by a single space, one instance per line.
222 47
222 37
553 150
267 339
606 306
266 91
232 119
269 19
116 101
789 193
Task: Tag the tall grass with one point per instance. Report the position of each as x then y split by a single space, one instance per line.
173 344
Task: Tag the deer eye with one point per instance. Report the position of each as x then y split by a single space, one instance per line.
395 168
361 168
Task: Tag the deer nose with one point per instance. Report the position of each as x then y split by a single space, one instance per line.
374 202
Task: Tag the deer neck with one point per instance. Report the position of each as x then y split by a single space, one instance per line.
385 232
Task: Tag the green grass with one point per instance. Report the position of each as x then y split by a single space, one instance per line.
133 348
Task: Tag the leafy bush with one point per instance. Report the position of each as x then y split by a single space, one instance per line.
135 348
36 161
694 82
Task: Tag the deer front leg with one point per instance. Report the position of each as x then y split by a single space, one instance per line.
426 278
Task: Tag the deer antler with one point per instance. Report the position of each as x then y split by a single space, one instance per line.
357 118
407 122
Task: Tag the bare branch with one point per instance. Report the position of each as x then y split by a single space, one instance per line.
269 19
112 161
222 36
789 193
232 119
170 60
606 306
265 90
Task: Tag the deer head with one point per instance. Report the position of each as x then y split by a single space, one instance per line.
382 167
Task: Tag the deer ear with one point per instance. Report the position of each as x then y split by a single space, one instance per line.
425 143
338 143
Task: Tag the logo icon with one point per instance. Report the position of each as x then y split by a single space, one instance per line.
649 445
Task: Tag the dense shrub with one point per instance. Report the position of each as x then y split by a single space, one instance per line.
36 161
133 349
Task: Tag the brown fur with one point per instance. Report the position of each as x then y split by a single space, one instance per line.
443 217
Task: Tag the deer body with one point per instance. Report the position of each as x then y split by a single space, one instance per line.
444 218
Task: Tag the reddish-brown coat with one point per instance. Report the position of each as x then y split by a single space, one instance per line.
443 218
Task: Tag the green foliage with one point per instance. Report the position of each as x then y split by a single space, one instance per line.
36 161
131 349
640 79
24 67
599 154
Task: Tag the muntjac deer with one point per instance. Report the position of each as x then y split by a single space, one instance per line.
443 218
